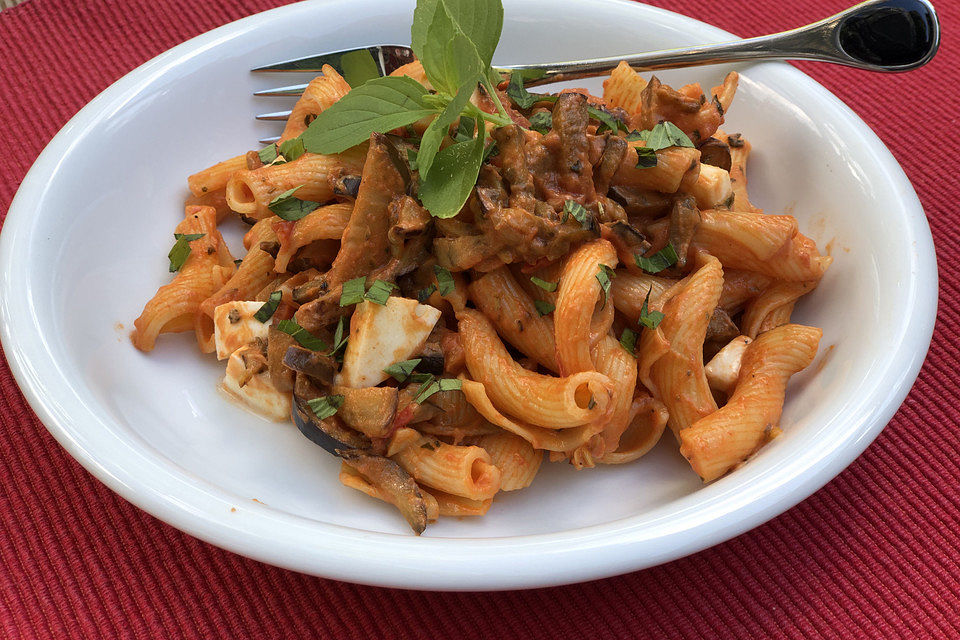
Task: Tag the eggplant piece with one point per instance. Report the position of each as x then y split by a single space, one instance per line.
277 344
319 367
431 359
273 248
394 484
640 202
370 410
613 153
715 152
721 328
407 218
325 433
347 186
627 239
684 220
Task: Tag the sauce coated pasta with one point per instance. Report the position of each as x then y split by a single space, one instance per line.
468 280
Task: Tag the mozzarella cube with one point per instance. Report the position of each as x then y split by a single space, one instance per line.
258 394
234 326
724 368
713 187
381 335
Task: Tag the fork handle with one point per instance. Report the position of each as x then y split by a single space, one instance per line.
879 35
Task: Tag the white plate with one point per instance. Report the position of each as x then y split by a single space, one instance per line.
84 246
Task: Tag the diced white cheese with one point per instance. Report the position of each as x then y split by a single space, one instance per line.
381 335
713 188
258 393
234 326
724 368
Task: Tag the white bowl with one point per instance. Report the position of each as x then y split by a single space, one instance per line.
84 246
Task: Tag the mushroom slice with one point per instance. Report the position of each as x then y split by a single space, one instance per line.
394 485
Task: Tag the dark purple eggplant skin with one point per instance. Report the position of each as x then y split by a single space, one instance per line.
315 434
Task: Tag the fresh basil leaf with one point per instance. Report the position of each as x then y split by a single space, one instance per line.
481 21
542 121
301 335
379 292
269 307
358 67
579 212
426 382
449 59
666 257
325 406
445 282
452 177
379 105
292 149
465 129
521 97
430 388
424 294
607 121
181 249
412 160
420 378
646 158
352 291
628 340
633 136
339 339
268 154
290 208
400 371
437 130
544 284
649 319
544 307
604 276
666 134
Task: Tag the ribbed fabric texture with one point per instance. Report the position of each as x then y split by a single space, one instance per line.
872 555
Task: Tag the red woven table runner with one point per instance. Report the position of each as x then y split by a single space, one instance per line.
872 555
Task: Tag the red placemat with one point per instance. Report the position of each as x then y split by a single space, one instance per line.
872 555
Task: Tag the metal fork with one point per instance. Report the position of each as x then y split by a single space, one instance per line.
878 35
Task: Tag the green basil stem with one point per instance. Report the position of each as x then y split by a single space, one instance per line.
477 113
492 92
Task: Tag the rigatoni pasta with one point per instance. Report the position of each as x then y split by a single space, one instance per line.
450 299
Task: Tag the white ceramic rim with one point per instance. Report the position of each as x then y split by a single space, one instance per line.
201 509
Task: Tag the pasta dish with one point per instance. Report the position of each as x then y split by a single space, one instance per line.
447 277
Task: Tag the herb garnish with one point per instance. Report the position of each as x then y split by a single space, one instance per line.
649 319
325 406
424 294
339 340
628 340
578 211
379 292
541 121
268 155
604 276
445 282
544 307
181 249
292 149
666 257
400 371
544 284
352 291
429 388
269 307
662 136
290 208
301 335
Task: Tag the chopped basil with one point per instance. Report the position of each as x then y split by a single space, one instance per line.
380 291
544 307
541 121
607 120
604 276
445 283
424 294
292 149
628 340
578 211
633 136
592 403
325 406
269 307
352 291
290 208
181 249
420 378
649 319
429 388
646 158
543 284
666 257
520 96
301 335
339 340
400 371
268 155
